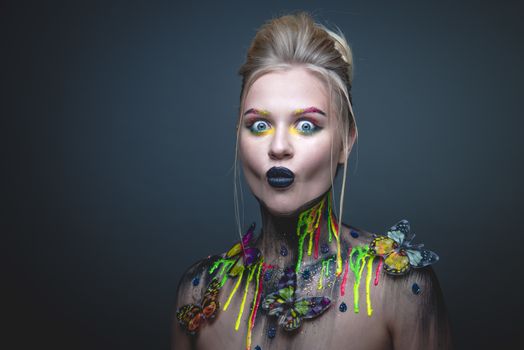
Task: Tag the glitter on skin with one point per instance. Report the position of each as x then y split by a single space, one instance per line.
343 307
271 332
283 251
196 281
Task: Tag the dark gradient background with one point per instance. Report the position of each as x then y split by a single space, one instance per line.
117 135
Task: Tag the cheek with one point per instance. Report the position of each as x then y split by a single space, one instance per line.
317 161
249 154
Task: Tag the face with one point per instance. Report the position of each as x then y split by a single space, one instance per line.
286 123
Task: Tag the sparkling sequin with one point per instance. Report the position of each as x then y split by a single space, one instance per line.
196 280
343 307
324 248
267 276
306 275
415 289
283 250
271 332
354 234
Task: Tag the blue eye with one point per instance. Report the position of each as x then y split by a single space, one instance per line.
307 127
259 127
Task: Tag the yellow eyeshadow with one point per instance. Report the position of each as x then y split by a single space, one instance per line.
294 131
263 133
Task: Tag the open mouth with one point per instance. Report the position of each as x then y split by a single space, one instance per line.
279 176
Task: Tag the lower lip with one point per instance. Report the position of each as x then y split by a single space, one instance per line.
280 182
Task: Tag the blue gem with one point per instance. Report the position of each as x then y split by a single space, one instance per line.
343 307
258 347
354 234
271 332
306 274
415 289
196 281
267 276
324 248
283 250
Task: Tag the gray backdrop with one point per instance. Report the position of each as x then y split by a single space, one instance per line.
118 138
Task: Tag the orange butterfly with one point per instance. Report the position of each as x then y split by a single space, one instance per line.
192 316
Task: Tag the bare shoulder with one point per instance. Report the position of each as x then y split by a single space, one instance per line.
411 304
414 305
191 288
194 280
357 235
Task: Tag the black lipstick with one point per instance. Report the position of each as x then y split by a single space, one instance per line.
279 176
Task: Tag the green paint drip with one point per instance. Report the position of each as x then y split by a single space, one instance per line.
325 266
305 221
357 265
330 237
299 258
226 265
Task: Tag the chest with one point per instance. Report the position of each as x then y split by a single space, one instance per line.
333 329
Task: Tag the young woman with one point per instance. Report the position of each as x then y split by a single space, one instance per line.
305 280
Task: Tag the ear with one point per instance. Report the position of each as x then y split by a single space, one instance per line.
344 153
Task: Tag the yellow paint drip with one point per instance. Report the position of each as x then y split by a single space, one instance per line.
226 305
368 283
249 278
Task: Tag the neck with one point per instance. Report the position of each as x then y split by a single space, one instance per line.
280 242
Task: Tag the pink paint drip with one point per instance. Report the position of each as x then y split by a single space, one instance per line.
377 273
344 279
334 223
264 268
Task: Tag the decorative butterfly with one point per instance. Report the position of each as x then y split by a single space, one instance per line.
192 316
246 255
398 252
290 310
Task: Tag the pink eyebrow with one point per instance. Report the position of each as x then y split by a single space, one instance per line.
301 111
296 112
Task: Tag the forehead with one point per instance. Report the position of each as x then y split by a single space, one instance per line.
287 90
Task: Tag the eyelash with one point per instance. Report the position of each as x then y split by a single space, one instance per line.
315 127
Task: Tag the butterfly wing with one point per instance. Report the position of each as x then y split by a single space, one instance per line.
303 308
396 263
190 317
235 250
248 236
275 302
400 232
210 303
382 245
289 278
236 268
290 320
421 257
312 306
251 255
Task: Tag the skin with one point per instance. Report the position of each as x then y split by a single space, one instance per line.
400 320
288 141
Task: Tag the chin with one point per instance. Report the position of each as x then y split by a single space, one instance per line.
284 203
280 203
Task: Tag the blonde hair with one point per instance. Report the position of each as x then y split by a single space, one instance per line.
296 40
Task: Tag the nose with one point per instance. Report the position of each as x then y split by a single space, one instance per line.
280 147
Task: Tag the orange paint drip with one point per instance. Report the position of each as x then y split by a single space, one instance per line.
377 272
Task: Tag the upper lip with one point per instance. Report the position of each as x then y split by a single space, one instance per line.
280 171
